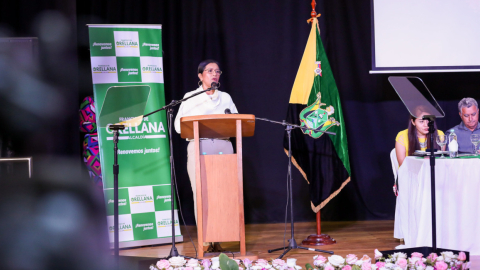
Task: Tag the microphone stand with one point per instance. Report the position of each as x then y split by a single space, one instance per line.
292 243
116 243
168 108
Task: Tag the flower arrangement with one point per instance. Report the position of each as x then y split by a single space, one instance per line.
224 263
398 261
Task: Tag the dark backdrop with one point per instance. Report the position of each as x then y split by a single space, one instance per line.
259 45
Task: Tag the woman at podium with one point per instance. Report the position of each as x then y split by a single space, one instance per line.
210 102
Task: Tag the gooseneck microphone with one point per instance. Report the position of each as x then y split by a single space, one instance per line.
214 85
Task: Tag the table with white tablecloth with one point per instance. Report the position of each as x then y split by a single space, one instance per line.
457 203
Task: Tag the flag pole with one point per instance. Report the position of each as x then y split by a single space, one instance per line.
318 239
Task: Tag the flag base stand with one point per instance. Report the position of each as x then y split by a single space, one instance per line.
319 239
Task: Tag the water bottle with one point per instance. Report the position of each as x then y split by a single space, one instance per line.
452 144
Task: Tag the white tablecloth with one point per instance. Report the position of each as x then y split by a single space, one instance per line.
457 204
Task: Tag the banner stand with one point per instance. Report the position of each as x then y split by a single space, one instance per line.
131 56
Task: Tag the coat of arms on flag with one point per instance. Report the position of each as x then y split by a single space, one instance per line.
315 117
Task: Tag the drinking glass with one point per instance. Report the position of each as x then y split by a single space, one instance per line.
441 140
475 138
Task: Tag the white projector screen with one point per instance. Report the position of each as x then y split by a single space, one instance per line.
425 36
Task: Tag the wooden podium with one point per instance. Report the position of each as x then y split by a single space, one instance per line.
219 178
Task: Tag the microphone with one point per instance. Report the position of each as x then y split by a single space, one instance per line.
214 85
227 111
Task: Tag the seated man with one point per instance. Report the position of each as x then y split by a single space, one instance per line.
468 111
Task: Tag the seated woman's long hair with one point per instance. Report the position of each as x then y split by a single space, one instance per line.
413 143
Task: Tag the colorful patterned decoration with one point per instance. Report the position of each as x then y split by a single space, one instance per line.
91 158
88 123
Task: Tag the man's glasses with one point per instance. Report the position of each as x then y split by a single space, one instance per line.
211 71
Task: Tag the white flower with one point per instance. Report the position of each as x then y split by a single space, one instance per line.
177 261
398 255
152 267
378 254
397 268
448 255
291 262
420 267
389 265
197 268
382 268
388 260
359 262
429 268
336 260
440 259
192 263
413 260
374 267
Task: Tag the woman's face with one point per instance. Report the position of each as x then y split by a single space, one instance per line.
421 125
209 75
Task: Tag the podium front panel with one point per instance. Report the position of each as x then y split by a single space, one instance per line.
220 198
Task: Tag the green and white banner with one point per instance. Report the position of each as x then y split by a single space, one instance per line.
131 55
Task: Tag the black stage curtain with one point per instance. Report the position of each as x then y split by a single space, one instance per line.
259 45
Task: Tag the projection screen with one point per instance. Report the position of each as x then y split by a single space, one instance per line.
425 36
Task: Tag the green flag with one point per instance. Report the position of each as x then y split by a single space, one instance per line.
315 103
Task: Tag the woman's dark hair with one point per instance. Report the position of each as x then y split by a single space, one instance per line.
204 63
413 143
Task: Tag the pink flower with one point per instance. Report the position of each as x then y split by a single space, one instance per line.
262 263
441 266
366 266
420 263
417 254
351 259
347 267
319 260
206 263
366 258
247 262
466 266
188 268
380 264
163 264
402 262
462 256
432 257
278 262
329 267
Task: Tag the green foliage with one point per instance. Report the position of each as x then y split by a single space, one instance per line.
308 266
227 263
356 267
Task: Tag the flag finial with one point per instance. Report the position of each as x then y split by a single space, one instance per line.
313 13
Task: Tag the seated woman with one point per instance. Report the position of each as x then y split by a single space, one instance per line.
414 138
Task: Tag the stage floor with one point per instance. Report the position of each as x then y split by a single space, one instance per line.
353 237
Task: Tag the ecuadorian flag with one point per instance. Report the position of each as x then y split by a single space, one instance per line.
315 103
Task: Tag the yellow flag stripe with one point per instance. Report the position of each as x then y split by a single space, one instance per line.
305 75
